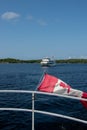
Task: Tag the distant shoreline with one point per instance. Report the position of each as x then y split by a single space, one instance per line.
13 60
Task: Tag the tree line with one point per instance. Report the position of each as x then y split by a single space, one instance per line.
13 60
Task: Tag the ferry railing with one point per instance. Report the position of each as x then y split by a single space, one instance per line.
38 111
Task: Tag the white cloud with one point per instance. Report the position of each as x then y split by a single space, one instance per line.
30 17
9 15
39 21
42 22
58 20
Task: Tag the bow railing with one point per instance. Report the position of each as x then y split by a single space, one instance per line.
32 110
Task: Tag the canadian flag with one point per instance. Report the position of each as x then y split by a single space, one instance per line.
52 84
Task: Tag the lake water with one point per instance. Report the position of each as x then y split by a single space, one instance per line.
27 77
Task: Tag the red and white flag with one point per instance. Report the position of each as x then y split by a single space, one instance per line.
52 84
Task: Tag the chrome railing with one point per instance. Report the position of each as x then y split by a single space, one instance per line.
38 111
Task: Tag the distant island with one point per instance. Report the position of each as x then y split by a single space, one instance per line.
13 60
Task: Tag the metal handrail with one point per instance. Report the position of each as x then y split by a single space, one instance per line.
38 111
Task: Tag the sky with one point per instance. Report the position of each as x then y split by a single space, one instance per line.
33 29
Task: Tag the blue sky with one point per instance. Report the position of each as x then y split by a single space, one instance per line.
33 29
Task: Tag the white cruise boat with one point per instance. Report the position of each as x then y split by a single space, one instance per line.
48 62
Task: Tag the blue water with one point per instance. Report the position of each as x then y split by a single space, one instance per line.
27 77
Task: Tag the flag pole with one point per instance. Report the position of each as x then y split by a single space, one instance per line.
33 99
32 111
44 72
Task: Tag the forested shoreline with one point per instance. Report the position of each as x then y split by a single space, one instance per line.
13 60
